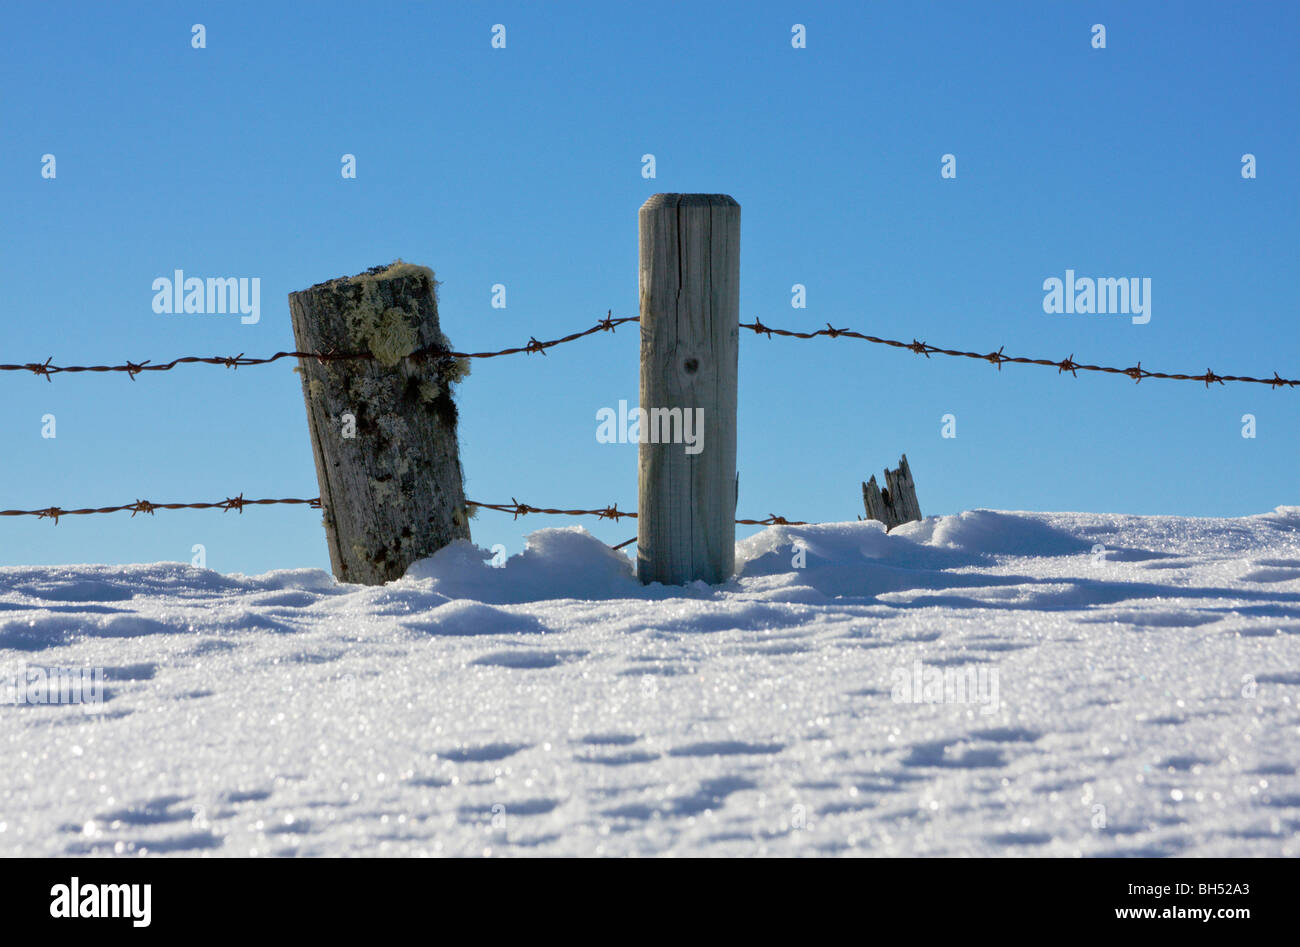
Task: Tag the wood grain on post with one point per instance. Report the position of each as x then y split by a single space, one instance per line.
897 504
383 430
690 319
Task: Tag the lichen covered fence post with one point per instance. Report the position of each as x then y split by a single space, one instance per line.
383 429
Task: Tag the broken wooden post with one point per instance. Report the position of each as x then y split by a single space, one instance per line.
383 429
896 504
690 329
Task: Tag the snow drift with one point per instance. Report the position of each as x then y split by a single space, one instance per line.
986 683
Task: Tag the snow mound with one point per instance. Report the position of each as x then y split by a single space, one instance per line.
555 564
472 618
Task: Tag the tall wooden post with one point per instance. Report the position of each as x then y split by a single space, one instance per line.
690 328
383 430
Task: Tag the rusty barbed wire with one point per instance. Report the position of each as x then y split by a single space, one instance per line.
514 507
46 369
533 345
517 509
609 324
1137 372
145 506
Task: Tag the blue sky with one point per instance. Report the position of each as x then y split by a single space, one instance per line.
522 166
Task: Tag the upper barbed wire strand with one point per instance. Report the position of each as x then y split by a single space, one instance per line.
998 358
237 503
47 369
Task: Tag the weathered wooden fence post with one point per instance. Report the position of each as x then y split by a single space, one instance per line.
383 430
690 318
897 503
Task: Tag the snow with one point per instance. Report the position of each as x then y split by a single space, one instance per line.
1106 685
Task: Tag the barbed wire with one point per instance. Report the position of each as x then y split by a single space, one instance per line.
517 509
514 507
1137 372
609 324
145 506
46 369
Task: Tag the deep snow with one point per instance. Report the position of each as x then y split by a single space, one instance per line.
1136 690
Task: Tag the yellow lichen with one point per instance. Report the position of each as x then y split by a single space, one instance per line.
391 333
398 268
393 337
459 370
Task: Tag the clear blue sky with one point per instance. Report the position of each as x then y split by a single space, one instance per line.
522 166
